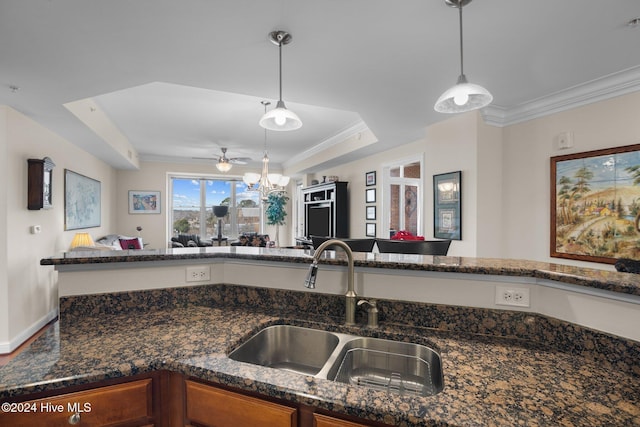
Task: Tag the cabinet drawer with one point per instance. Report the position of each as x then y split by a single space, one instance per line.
320 420
215 407
110 405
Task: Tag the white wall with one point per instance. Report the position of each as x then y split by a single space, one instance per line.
526 168
4 184
29 291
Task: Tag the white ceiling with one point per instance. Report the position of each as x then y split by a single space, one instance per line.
180 79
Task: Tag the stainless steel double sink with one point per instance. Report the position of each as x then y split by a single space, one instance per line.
394 366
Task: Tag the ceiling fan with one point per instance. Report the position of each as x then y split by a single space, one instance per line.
225 163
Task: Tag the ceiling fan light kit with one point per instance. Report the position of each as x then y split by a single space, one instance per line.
280 118
464 96
223 164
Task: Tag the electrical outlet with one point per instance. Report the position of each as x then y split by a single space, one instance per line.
518 297
200 273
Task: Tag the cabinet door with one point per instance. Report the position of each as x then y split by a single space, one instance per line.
128 404
320 420
214 407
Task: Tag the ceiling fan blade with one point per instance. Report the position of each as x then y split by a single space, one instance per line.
207 158
240 160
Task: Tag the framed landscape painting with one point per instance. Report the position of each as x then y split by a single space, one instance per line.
595 205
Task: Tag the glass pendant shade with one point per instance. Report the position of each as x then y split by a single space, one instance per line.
280 119
251 178
266 183
463 97
224 166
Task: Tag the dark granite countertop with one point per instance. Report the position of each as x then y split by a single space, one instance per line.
489 381
625 283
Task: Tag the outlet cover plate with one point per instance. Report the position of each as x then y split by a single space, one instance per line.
200 273
513 296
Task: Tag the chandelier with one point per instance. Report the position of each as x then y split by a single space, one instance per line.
265 183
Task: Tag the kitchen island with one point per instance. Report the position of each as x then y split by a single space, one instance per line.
501 367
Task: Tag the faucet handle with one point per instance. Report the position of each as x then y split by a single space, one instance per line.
370 302
372 312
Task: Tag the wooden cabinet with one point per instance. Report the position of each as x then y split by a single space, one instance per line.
326 210
164 399
39 183
320 420
129 404
214 407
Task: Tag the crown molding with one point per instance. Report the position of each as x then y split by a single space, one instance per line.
610 86
328 143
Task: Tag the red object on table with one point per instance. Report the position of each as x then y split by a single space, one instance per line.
405 235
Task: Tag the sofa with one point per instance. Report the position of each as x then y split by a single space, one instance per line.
188 241
253 239
113 242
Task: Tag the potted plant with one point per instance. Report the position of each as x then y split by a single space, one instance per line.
276 211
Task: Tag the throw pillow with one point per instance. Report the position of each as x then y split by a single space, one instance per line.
130 244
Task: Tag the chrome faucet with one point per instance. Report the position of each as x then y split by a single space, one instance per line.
350 296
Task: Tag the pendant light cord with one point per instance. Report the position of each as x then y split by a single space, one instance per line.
461 56
280 64
265 103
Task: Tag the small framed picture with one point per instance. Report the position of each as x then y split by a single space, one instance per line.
371 212
370 178
370 195
371 229
144 202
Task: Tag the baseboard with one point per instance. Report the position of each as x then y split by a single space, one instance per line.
9 346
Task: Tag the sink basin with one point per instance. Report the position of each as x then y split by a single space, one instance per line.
400 367
393 366
292 348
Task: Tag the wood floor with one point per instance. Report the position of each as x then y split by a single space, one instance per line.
6 358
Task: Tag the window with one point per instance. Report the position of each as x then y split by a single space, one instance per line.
192 201
403 193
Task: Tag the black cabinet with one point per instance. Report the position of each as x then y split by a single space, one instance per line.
326 210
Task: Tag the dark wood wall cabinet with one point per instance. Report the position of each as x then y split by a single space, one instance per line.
326 210
40 178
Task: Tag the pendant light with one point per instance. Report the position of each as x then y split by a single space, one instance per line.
464 96
280 118
265 182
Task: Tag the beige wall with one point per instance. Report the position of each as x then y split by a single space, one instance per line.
505 203
526 168
153 176
505 174
28 291
448 146
4 184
